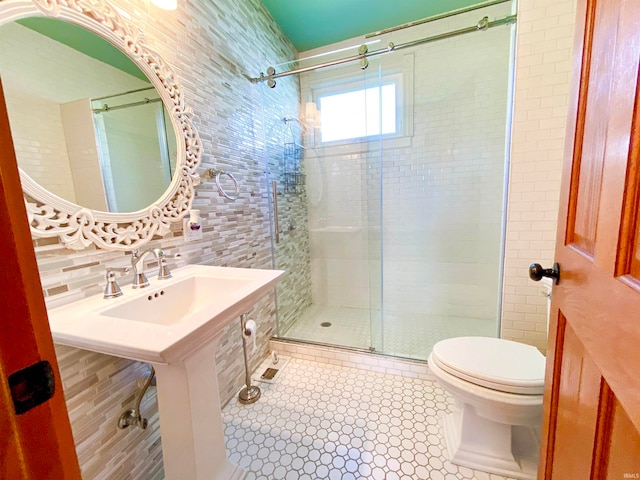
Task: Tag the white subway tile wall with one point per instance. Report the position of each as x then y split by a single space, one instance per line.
440 215
542 76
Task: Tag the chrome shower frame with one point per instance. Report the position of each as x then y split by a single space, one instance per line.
363 53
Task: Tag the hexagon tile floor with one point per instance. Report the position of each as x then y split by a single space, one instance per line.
320 421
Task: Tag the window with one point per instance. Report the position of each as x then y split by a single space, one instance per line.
351 112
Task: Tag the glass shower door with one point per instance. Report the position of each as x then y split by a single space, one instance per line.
404 164
343 257
136 146
443 188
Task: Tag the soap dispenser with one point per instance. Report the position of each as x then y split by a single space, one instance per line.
192 226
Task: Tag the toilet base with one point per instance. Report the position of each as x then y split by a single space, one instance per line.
482 444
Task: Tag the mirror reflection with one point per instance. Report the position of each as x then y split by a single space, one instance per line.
87 124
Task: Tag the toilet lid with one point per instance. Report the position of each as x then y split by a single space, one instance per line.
495 363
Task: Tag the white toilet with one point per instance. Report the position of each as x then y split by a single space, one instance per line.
498 386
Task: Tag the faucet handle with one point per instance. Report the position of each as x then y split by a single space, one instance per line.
163 270
112 289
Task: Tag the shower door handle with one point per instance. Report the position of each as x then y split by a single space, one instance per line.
276 226
536 272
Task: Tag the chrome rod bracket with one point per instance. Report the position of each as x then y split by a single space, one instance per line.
483 24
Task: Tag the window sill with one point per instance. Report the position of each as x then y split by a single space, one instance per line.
362 146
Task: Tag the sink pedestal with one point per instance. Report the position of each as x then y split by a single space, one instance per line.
175 325
193 445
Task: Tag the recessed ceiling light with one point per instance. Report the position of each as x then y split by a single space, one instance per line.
166 4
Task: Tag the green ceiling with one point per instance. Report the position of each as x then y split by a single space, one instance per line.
83 41
314 23
307 23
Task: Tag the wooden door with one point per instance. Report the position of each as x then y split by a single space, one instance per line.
592 398
35 435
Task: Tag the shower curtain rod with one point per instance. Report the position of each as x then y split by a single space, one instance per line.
124 93
483 24
433 18
107 108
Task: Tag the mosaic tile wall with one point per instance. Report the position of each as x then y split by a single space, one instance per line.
213 47
286 169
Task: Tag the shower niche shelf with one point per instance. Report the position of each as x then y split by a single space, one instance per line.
293 179
293 182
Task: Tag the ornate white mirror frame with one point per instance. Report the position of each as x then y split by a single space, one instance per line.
79 227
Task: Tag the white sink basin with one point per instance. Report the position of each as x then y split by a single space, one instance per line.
173 303
164 322
175 324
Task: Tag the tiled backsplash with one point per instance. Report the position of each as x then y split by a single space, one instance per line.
98 388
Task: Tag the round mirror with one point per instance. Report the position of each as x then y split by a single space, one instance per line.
94 129
95 132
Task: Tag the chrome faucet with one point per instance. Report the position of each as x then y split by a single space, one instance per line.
112 289
137 265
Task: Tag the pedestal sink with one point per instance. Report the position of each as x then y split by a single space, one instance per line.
175 325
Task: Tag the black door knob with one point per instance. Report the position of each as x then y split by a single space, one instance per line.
536 272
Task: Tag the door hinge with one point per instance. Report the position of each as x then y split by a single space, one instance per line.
32 386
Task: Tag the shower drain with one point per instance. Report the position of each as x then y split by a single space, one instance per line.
325 324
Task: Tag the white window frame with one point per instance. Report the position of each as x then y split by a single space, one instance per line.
360 86
400 73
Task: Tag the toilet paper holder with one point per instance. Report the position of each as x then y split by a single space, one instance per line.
250 393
